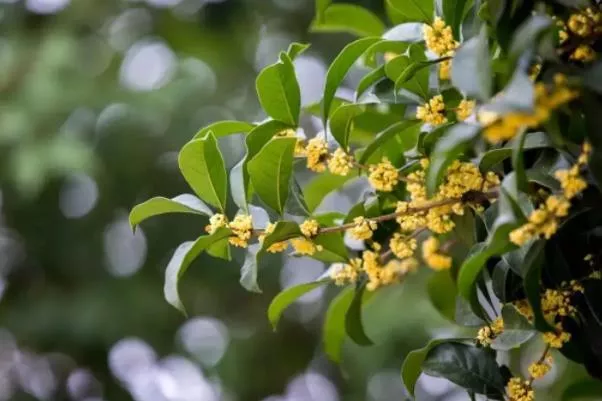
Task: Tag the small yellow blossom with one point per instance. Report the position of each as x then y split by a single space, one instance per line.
595 275
340 162
534 71
433 258
299 145
408 221
276 247
303 246
401 246
580 25
465 109
383 176
557 303
216 221
363 228
439 37
242 228
433 111
348 273
584 54
520 390
556 339
538 370
445 69
487 334
310 228
392 272
316 152
524 308
571 182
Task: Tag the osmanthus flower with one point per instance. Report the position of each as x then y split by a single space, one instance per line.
539 369
363 228
383 176
487 334
304 246
216 222
340 163
242 230
316 152
431 254
276 247
557 338
524 308
433 111
402 246
347 273
299 145
310 228
520 390
465 109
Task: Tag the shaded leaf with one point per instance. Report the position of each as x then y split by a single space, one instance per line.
527 35
353 318
159 205
349 18
287 296
442 293
333 248
333 331
406 131
533 140
517 330
322 185
295 49
341 122
368 80
471 70
586 389
412 10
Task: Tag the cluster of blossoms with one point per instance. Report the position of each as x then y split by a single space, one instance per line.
241 226
487 334
363 228
520 390
433 112
544 220
585 26
547 98
439 39
383 176
432 255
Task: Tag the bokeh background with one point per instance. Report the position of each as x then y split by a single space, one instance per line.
96 98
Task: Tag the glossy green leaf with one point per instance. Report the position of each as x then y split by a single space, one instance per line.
333 331
368 80
407 131
333 248
159 205
295 49
472 368
413 10
395 47
449 147
270 171
184 255
353 318
533 140
517 330
471 69
321 6
224 128
203 167
400 68
339 68
278 91
442 293
453 14
348 18
295 204
322 185
341 122
287 296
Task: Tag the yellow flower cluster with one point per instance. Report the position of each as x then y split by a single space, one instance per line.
547 99
544 220
275 247
291 133
402 246
556 303
487 334
538 370
584 54
310 228
465 109
216 222
242 229
363 228
348 273
340 162
383 176
316 152
440 40
304 246
433 257
433 111
585 25
520 390
523 307
556 339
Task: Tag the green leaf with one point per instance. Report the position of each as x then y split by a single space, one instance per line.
322 185
295 204
278 91
339 68
220 249
583 390
224 128
248 270
341 122
451 145
528 34
399 71
321 6
356 210
334 249
471 69
453 14
283 231
518 164
270 171
184 255
442 293
295 49
287 296
470 367
353 318
395 46
407 131
412 10
203 167
334 324
348 18
533 265
517 330
368 80
159 205
533 140
412 364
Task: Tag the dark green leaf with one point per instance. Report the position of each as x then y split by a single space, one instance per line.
287 296
270 171
322 185
184 255
407 131
353 318
471 69
593 77
356 211
341 122
533 140
413 10
223 128
368 80
470 367
442 293
518 163
583 390
333 248
527 35
517 330
386 46
184 203
278 91
348 18
339 68
202 166
400 68
334 324
533 265
453 14
283 231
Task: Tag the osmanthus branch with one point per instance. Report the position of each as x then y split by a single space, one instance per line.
541 360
